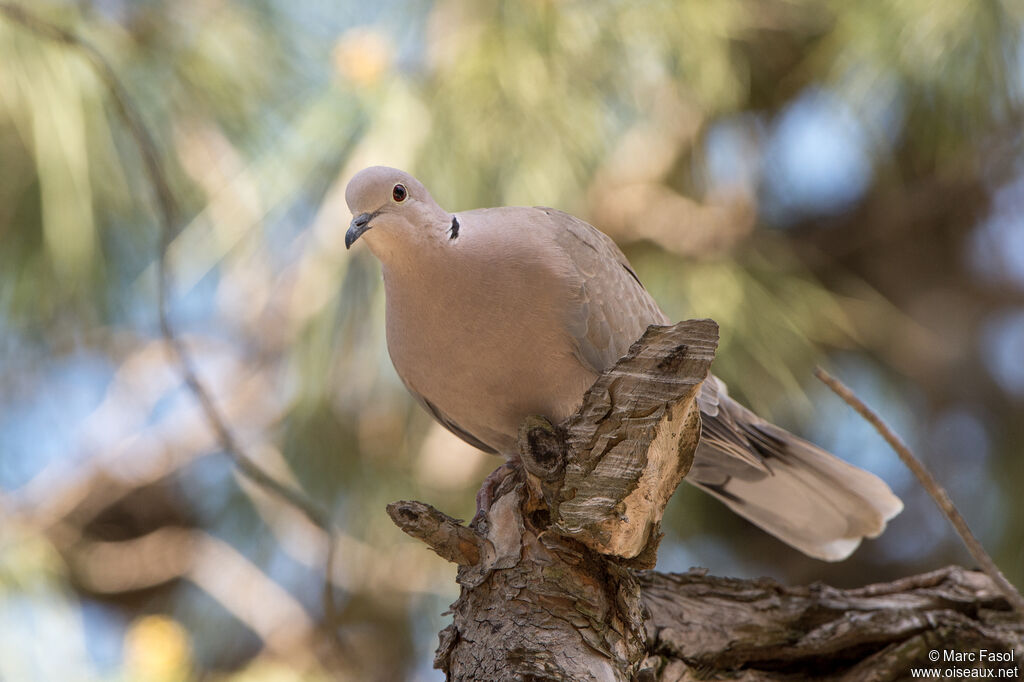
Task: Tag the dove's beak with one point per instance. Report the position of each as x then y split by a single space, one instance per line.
359 224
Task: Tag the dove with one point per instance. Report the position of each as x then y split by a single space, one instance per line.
496 314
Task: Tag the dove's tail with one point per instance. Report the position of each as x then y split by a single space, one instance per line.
801 494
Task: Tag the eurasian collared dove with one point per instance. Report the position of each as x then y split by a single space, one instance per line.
500 313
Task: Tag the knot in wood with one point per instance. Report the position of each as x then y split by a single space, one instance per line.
542 447
673 359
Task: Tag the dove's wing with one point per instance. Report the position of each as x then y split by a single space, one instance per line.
791 488
611 309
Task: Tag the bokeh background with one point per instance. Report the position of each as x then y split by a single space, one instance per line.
833 182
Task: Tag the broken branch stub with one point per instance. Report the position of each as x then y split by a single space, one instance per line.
446 536
628 447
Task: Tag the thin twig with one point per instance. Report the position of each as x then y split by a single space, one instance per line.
937 492
168 215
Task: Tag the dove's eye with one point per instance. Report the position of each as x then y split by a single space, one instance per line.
399 193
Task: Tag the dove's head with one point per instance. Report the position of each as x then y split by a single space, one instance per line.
393 210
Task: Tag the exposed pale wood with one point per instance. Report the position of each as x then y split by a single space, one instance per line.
632 442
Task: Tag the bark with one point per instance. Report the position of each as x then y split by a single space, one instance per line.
706 628
551 569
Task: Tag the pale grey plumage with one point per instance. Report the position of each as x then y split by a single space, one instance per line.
496 314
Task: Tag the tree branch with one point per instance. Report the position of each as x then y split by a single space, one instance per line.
702 627
553 593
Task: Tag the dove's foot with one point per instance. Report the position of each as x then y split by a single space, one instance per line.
489 490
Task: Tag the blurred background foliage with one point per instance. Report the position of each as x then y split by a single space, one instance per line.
833 182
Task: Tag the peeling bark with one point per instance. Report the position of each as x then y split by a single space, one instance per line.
549 569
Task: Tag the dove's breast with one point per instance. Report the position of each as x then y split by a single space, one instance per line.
477 330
